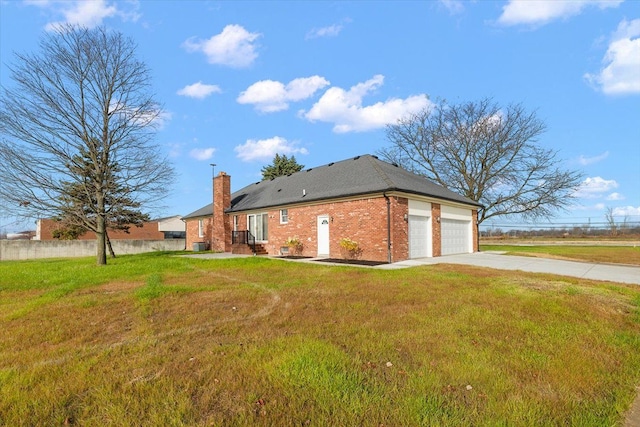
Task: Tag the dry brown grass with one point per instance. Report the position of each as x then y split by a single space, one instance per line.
264 342
600 254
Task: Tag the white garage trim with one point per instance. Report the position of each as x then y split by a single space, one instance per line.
455 213
419 208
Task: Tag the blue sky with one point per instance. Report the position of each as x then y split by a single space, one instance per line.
241 81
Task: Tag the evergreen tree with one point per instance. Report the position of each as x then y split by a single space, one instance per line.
78 207
282 165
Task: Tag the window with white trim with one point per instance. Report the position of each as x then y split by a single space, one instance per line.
201 228
284 216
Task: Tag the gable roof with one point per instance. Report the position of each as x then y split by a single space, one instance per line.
357 176
205 211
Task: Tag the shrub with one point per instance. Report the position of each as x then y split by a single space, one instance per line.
294 244
350 248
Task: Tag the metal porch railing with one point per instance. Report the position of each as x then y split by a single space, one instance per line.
244 237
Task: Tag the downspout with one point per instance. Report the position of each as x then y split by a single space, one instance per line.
388 227
185 233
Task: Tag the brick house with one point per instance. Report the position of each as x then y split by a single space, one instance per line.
391 213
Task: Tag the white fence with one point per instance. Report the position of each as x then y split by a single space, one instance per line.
33 249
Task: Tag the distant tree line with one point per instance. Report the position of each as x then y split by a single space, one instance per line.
609 228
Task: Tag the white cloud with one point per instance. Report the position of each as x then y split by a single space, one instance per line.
615 197
157 118
621 64
87 13
202 153
330 31
344 108
453 6
595 187
585 161
161 120
541 12
198 90
266 149
581 207
269 96
626 211
234 47
175 149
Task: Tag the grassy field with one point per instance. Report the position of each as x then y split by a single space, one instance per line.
604 254
162 340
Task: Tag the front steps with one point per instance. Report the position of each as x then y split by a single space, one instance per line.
244 249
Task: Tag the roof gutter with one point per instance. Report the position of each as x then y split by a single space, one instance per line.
388 227
349 196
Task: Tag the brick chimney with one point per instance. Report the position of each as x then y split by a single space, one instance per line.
221 236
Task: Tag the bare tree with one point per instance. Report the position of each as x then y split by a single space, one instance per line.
611 221
486 153
77 132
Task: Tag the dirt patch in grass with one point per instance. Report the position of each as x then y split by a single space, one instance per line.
352 261
294 257
112 287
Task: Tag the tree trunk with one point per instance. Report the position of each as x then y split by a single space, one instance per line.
101 244
111 252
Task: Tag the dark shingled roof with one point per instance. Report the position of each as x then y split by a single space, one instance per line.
357 176
205 211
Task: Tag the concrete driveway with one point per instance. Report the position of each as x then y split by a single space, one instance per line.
585 270
494 259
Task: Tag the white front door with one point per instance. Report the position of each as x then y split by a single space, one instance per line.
323 235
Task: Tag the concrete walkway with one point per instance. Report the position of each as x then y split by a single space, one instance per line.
585 270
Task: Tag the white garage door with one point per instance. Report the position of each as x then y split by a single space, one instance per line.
418 236
455 236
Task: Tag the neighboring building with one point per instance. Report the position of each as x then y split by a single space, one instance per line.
160 229
173 227
391 213
21 235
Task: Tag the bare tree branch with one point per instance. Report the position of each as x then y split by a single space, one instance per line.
77 132
486 153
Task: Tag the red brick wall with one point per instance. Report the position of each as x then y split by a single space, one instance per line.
192 232
437 236
399 229
364 221
148 231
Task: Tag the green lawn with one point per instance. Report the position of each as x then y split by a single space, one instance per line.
604 254
162 340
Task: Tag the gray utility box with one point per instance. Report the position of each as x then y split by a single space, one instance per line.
199 246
